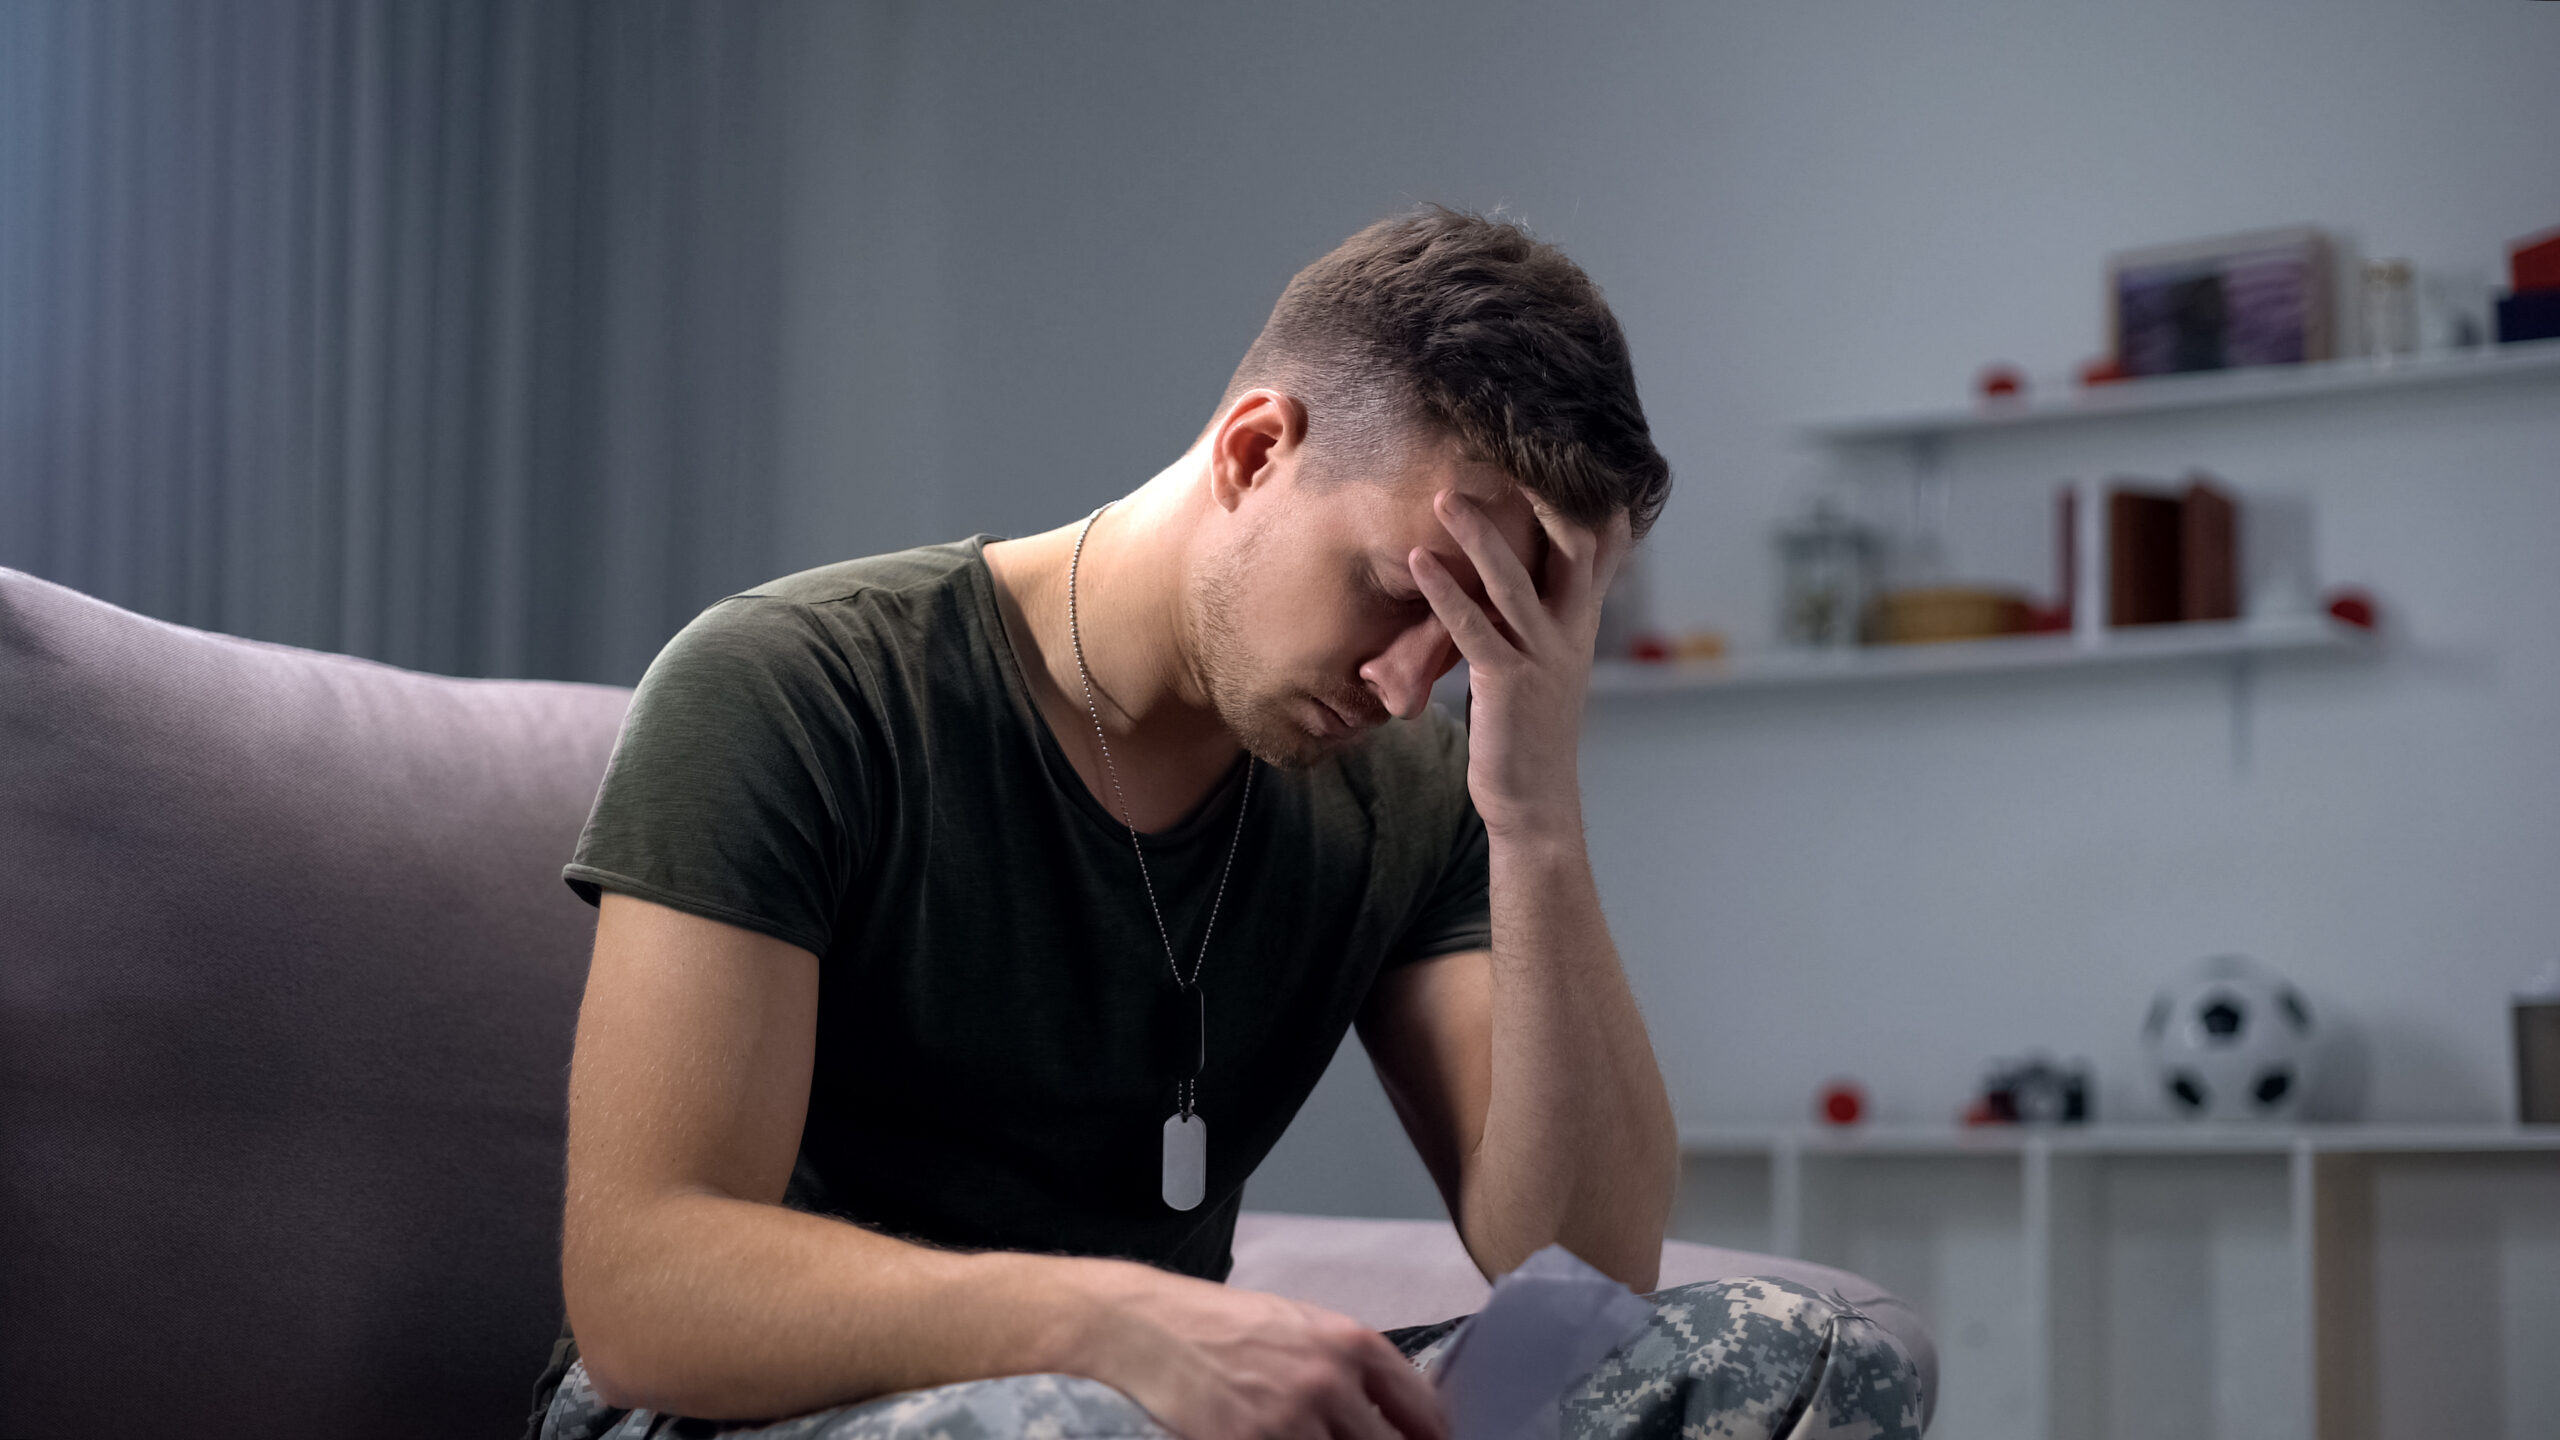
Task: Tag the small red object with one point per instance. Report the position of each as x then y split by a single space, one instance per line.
2101 371
2534 263
2048 619
2353 605
1651 649
2000 382
1981 1113
1842 1102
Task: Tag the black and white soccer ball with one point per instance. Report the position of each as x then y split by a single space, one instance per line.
2230 1039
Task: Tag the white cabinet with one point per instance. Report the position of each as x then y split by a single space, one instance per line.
2118 1282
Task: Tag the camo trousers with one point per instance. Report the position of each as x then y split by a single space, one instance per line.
1720 1360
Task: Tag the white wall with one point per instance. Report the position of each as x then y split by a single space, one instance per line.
1032 261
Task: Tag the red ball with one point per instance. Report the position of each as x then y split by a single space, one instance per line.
2102 371
2000 381
1651 649
2353 606
1843 1103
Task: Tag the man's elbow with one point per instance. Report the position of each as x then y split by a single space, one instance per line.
624 1363
1646 1223
605 1352
608 1384
1635 1259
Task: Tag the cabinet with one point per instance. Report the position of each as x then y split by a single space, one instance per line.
2339 1282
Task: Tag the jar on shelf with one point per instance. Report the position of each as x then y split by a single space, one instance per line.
1827 568
2390 310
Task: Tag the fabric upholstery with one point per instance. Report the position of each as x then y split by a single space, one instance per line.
287 979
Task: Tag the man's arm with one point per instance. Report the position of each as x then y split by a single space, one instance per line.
693 1291
1526 1070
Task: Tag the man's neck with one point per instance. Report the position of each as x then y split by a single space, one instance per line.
1167 742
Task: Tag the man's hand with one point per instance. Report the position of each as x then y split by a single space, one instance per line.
1528 662
1213 1363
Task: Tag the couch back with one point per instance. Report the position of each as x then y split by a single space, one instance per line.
287 982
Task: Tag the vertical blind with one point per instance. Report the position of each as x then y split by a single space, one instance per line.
443 334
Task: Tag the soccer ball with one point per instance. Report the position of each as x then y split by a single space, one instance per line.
2230 1039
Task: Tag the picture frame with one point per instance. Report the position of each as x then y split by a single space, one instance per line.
2263 297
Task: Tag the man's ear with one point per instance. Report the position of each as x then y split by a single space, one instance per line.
1262 432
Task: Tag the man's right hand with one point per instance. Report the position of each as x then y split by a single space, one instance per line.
1213 1363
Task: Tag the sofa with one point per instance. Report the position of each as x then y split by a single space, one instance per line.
287 984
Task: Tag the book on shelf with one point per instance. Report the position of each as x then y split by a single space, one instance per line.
2172 555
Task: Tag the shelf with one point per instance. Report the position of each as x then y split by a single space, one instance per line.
1770 669
2209 390
2114 1281
1932 1141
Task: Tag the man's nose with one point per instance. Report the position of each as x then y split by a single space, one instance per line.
1403 673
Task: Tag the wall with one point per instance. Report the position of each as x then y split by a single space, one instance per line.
1798 211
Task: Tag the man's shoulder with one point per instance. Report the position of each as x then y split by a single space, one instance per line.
829 625
921 570
868 600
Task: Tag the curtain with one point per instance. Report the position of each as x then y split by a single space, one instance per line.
443 334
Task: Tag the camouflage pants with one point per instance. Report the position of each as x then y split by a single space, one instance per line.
1721 1360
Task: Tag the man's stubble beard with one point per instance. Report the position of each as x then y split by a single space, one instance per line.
1258 715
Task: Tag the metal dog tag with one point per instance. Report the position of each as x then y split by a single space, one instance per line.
1186 1160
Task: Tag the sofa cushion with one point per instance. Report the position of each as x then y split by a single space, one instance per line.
287 981
1391 1273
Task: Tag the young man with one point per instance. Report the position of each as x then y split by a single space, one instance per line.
973 919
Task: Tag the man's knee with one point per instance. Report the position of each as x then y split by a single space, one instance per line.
1757 1357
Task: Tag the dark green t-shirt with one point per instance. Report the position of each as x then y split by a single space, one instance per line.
848 759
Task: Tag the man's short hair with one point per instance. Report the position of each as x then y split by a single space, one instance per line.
1444 321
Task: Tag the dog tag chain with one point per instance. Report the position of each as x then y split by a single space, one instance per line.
1186 1135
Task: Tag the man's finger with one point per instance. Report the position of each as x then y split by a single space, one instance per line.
1404 1396
1350 1416
1465 620
1506 582
1571 549
1617 542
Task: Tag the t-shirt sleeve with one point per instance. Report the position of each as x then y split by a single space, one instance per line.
736 790
1457 915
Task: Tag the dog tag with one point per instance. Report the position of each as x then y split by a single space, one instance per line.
1186 1160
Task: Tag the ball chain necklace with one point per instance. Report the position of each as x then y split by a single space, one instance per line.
1186 1135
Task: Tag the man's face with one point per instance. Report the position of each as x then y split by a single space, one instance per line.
1308 630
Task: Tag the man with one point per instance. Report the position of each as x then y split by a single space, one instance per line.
973 919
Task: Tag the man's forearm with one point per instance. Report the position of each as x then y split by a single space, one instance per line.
1579 1146
704 1305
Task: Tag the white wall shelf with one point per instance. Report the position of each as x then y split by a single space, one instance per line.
2300 1283
2210 390
2164 1139
2149 644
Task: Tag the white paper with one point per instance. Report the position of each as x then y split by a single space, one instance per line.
1547 1325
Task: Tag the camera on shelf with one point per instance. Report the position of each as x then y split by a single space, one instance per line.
2034 1089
